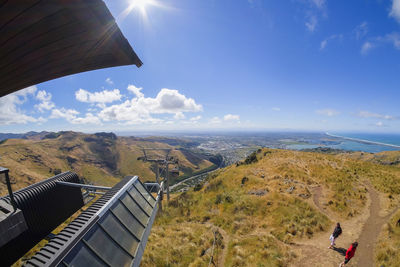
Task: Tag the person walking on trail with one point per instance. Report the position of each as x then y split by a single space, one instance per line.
349 254
336 233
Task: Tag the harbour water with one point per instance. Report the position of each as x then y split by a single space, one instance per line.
365 142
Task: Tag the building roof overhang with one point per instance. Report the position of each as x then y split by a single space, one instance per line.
44 40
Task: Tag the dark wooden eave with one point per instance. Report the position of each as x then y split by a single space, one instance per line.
41 40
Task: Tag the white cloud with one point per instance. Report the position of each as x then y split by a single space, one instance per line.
311 24
109 81
88 119
323 44
379 124
215 120
393 38
135 90
31 90
46 103
395 11
361 30
106 96
129 111
68 114
197 118
231 117
328 112
367 114
168 101
315 9
320 4
71 116
140 109
330 38
366 47
276 109
179 116
9 107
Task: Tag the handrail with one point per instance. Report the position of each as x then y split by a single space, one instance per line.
96 187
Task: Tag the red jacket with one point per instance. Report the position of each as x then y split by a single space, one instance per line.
350 252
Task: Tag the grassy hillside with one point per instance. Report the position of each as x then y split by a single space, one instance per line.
387 251
101 158
260 208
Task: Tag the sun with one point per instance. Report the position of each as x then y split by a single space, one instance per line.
140 5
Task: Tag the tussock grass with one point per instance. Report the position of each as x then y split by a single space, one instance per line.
257 250
187 244
263 204
261 226
387 251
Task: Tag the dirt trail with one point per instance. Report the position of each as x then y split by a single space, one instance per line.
365 228
317 192
371 230
315 252
221 256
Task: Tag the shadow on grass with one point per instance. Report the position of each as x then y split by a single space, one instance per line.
341 251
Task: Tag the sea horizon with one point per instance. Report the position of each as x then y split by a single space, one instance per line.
384 139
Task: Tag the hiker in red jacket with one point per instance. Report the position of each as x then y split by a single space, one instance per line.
349 253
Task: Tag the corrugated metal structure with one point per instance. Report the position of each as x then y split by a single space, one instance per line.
12 223
111 232
41 40
45 205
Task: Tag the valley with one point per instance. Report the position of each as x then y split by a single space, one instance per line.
99 159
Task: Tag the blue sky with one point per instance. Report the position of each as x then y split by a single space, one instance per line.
324 65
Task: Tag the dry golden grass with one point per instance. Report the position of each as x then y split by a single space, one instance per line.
263 207
186 244
100 161
387 250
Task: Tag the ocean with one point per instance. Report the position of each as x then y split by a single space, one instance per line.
366 142
390 139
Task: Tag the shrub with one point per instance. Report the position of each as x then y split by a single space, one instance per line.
218 199
267 152
252 158
198 187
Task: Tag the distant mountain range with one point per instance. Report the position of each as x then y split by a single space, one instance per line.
28 135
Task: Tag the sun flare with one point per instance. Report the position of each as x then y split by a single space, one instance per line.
140 5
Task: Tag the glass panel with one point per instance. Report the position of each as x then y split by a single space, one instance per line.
82 256
135 209
119 233
140 200
129 220
106 247
144 192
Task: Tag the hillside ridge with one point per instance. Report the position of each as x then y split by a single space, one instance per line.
278 207
99 158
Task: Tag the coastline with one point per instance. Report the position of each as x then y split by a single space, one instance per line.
363 141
